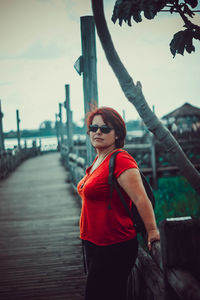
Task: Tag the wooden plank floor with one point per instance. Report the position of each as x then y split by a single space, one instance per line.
40 249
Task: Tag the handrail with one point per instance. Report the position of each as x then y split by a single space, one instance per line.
151 274
12 158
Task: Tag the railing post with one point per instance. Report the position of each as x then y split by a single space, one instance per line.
69 118
18 128
180 248
153 161
61 124
89 59
57 131
153 157
2 147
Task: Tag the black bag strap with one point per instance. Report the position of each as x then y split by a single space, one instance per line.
111 176
111 166
116 185
112 181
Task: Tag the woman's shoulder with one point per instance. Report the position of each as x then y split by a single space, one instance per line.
123 157
123 153
123 162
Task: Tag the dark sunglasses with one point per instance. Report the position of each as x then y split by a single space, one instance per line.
103 128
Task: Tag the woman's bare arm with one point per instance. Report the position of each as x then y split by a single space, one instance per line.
130 180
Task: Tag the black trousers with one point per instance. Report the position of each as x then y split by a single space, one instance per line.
108 269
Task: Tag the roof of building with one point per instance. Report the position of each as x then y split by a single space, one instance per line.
183 111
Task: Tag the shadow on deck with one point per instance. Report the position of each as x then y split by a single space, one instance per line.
40 249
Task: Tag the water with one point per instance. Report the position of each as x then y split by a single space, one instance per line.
47 142
50 142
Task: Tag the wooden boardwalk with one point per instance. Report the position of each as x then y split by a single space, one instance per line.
40 249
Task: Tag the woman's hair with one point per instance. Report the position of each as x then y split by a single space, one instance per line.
112 117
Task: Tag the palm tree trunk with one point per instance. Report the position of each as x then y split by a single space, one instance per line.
133 93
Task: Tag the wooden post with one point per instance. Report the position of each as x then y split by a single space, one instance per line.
153 159
25 144
61 124
69 118
18 128
88 42
2 147
180 248
57 132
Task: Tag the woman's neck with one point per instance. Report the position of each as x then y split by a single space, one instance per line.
102 153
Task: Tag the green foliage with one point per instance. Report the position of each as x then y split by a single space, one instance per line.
176 198
182 40
126 10
192 3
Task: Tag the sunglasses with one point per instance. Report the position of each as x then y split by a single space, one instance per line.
103 128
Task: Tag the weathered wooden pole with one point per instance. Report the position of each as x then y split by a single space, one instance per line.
57 132
69 118
89 62
153 158
61 124
153 162
2 147
18 129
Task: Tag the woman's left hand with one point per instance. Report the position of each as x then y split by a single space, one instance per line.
153 235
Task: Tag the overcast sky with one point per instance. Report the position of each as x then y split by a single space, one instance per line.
40 42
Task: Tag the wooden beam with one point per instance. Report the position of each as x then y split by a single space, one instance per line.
89 59
61 124
2 147
18 128
151 273
69 118
184 284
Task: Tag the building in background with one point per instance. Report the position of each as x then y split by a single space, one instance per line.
184 122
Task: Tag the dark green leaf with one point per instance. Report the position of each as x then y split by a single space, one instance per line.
116 10
192 3
189 34
190 48
177 43
120 21
122 11
136 16
181 41
149 13
125 9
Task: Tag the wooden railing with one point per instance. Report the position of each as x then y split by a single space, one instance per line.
10 159
172 269
151 157
74 163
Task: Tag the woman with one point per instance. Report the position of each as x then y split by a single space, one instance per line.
109 236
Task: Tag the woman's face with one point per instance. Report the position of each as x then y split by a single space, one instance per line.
101 140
